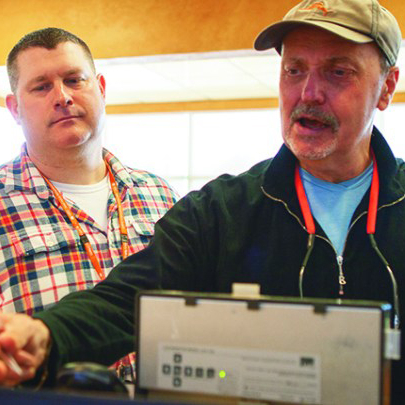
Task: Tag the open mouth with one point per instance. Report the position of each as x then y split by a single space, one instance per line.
312 123
313 118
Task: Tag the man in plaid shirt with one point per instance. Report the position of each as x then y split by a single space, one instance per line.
59 101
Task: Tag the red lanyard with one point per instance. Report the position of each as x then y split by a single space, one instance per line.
371 224
121 219
83 238
372 206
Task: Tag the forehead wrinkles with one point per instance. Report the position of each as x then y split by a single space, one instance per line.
309 40
314 43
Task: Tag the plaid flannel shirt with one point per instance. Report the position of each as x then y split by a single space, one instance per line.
41 257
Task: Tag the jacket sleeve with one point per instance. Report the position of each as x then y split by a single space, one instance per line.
98 324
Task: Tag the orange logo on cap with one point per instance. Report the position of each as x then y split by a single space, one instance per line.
319 5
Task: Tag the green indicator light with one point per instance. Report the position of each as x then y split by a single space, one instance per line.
222 374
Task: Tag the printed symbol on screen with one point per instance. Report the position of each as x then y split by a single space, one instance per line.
176 382
307 361
166 369
210 373
177 358
199 372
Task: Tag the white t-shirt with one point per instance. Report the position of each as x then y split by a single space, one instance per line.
91 198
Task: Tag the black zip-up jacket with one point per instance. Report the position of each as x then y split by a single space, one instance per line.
246 228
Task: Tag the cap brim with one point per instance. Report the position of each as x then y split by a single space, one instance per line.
272 36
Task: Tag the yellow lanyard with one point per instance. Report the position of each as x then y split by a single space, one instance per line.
83 238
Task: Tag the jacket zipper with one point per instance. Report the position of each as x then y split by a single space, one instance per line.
339 258
342 280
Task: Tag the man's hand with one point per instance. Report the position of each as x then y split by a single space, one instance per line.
25 340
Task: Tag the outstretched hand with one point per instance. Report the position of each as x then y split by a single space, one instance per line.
23 346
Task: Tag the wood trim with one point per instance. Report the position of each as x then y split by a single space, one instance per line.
399 98
240 104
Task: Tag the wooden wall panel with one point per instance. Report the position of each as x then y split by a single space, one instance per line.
115 28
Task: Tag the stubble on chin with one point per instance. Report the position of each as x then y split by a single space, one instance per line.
308 150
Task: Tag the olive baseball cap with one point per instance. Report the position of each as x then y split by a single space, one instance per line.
360 21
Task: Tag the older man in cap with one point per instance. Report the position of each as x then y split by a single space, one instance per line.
323 218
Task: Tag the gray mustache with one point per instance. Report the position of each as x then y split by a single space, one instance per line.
315 113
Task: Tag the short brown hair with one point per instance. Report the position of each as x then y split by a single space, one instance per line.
48 38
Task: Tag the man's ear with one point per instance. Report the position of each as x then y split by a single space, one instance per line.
12 106
388 88
101 84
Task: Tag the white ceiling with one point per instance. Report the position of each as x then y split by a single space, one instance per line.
192 77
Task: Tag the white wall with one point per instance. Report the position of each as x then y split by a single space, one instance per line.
188 149
11 136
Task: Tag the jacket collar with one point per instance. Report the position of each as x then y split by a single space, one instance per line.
279 177
388 169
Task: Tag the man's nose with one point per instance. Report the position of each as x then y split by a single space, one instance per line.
313 89
62 96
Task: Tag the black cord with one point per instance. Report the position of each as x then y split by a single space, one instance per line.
393 280
310 246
